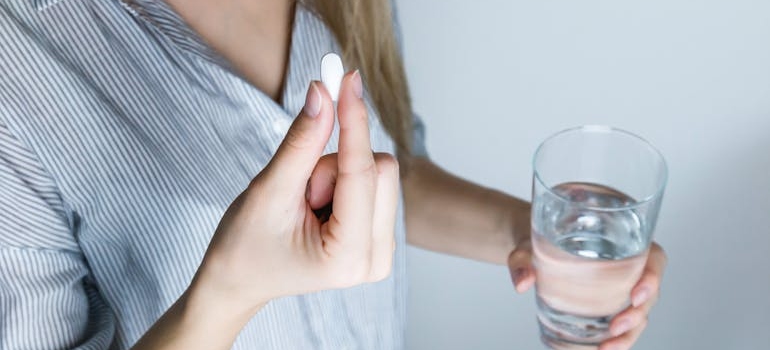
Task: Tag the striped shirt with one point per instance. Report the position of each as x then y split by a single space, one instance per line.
123 139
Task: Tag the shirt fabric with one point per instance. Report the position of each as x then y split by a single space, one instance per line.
123 139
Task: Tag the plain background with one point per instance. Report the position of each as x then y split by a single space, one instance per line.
492 78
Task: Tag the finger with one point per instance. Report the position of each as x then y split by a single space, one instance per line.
304 143
520 265
355 149
625 341
320 188
627 320
352 209
384 219
648 286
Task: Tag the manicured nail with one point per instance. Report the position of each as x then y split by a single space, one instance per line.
641 297
313 101
622 327
358 85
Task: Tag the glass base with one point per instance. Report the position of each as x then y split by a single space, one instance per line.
563 331
558 344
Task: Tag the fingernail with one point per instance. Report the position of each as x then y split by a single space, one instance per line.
312 101
358 85
641 297
622 327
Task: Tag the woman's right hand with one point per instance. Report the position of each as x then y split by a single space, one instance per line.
270 243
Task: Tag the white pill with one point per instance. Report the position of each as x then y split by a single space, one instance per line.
332 73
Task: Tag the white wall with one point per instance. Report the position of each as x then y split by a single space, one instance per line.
492 78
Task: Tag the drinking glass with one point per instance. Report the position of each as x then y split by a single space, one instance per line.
596 194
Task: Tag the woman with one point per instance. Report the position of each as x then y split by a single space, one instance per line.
157 192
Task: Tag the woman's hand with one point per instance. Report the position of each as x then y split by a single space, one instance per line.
627 325
271 244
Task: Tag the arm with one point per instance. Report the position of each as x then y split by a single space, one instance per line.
450 215
47 298
202 318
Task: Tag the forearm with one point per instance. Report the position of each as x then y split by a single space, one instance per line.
199 319
450 215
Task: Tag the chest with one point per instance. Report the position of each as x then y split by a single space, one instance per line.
253 36
147 137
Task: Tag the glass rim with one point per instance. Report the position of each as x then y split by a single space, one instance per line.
604 129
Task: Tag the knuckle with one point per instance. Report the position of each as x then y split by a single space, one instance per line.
384 267
654 285
652 277
388 168
644 323
381 273
367 169
362 273
517 256
361 269
346 280
350 275
512 259
381 276
297 138
370 169
330 158
387 164
361 116
659 253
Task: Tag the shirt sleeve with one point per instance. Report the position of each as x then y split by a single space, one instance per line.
418 126
47 298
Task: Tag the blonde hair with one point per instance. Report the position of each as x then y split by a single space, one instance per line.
364 30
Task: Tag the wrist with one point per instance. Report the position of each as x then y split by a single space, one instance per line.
208 297
197 320
512 228
521 221
514 223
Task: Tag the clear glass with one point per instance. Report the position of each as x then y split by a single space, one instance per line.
596 194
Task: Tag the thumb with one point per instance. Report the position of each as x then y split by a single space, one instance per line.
304 143
520 265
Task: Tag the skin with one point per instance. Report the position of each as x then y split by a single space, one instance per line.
307 254
486 225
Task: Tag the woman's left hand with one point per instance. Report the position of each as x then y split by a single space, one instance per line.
628 324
